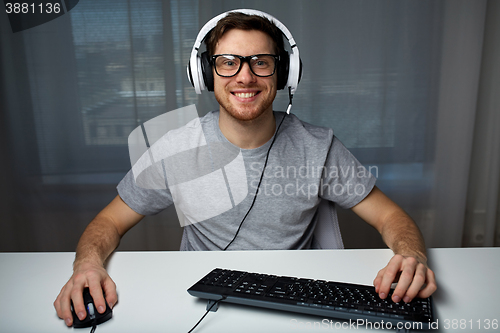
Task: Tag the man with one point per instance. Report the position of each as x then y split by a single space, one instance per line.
285 215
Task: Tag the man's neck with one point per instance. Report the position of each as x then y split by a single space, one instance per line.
248 134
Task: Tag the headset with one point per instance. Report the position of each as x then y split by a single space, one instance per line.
199 68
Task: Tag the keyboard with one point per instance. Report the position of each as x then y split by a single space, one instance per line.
344 301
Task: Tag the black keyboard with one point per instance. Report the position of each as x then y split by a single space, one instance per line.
328 299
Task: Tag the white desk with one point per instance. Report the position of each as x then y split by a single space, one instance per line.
152 288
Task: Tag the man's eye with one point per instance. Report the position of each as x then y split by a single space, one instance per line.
261 63
229 63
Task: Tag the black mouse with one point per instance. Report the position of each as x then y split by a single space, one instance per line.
93 318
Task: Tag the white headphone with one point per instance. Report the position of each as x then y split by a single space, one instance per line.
195 68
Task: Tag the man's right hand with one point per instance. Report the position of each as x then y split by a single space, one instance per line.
97 280
98 241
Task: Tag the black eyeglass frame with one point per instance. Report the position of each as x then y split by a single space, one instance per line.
245 59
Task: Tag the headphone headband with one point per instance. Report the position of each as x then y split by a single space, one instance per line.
195 67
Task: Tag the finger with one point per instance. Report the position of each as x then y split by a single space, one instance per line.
405 280
110 290
431 285
416 284
57 303
391 271
77 298
97 295
63 304
378 279
389 275
60 308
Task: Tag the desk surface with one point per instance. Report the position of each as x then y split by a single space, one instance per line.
152 289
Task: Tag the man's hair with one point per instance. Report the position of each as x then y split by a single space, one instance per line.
237 20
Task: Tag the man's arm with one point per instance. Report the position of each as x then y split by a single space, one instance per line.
401 234
98 241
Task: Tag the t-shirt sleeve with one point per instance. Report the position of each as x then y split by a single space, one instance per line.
345 180
141 200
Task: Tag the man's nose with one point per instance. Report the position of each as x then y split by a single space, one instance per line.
245 74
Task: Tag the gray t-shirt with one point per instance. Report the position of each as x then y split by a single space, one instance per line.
306 164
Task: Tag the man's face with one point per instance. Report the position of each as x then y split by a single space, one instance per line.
245 96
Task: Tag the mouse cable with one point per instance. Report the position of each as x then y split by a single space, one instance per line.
94 325
208 310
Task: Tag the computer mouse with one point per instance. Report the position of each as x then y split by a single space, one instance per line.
93 318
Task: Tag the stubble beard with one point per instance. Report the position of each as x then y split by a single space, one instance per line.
245 113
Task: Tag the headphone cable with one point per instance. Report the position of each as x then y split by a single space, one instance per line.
264 168
241 223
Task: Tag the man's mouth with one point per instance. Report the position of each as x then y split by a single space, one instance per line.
245 94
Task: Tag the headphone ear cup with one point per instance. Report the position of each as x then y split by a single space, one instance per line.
207 72
194 73
283 68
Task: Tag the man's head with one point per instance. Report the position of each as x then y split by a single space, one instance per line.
199 66
248 94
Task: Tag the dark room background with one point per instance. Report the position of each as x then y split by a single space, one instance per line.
408 86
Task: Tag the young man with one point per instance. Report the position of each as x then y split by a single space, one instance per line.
244 52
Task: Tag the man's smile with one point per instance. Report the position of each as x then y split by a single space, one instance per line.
245 95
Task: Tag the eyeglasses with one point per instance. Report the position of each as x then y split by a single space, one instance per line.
228 65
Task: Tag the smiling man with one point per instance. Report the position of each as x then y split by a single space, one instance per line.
246 100
246 66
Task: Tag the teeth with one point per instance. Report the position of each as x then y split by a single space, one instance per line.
245 95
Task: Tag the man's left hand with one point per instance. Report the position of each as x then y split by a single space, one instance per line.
413 277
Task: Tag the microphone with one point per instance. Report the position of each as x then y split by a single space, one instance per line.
290 96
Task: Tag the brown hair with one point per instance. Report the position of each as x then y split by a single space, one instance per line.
237 20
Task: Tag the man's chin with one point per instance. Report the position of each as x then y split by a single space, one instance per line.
246 111
244 114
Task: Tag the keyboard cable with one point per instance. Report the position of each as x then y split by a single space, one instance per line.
208 310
